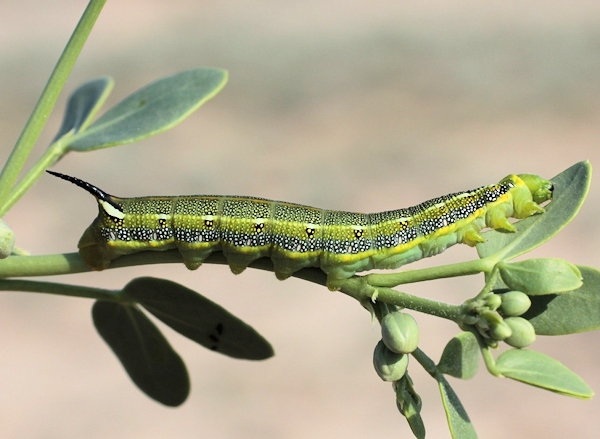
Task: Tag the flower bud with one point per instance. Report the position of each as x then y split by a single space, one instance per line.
493 301
491 317
389 365
523 333
500 331
400 332
514 303
470 320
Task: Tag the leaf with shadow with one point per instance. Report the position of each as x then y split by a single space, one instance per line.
460 358
198 318
459 423
144 352
568 313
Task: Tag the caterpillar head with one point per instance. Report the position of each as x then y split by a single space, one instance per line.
527 192
541 190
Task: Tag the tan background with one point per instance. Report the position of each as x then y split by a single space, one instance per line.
346 105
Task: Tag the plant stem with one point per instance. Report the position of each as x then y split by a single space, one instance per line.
424 274
50 157
427 363
356 287
70 263
46 102
58 288
359 289
488 359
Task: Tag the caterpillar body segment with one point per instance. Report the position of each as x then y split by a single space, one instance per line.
294 236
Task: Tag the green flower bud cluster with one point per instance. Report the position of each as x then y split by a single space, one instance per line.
409 403
399 337
514 304
496 318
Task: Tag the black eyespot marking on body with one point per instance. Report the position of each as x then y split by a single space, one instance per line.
208 224
259 227
358 233
310 232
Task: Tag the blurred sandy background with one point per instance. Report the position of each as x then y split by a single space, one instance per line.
346 105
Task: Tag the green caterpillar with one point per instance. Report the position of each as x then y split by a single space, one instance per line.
296 236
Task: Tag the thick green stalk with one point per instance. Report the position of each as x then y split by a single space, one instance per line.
69 263
45 104
363 292
356 287
443 271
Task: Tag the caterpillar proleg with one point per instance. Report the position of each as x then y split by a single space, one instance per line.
296 236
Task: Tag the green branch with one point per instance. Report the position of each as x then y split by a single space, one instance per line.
357 287
70 263
45 104
31 286
424 274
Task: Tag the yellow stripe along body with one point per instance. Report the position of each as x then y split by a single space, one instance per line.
296 236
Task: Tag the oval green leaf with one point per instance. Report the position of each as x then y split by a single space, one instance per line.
198 318
458 421
145 354
151 110
568 313
539 370
570 189
83 105
460 358
536 277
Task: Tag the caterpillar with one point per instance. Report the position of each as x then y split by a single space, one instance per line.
295 236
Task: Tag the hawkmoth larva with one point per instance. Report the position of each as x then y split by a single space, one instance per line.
296 236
